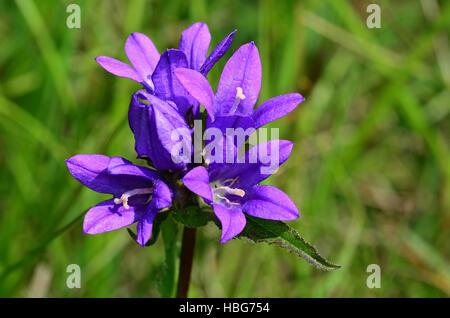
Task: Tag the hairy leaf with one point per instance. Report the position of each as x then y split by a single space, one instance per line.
275 232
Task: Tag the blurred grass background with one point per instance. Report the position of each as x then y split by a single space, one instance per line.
370 170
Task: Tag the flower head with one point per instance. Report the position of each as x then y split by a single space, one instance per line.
232 189
175 82
238 90
144 56
160 132
138 194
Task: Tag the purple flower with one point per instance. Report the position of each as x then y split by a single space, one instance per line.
238 90
160 132
139 193
167 86
144 57
156 116
195 42
232 190
194 46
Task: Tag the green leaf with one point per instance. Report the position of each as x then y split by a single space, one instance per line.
275 232
166 283
192 216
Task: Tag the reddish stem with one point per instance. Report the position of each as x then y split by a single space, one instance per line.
186 259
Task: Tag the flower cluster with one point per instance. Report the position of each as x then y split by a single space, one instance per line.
161 117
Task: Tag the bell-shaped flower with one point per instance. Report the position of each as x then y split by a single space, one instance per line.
167 86
194 44
238 90
232 188
138 194
144 57
160 132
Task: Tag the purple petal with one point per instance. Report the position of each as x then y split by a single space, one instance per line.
197 180
235 130
242 70
127 168
142 54
153 122
167 123
144 227
194 43
118 68
198 86
233 221
233 124
275 108
162 196
107 216
217 53
139 118
259 163
265 154
94 171
167 86
220 153
268 202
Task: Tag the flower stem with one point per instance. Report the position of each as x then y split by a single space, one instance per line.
186 259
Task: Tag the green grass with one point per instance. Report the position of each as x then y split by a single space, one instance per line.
370 167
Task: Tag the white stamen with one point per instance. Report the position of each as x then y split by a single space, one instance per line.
219 192
226 199
239 96
234 191
124 197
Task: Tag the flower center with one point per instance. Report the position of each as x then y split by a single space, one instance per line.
124 197
219 191
239 96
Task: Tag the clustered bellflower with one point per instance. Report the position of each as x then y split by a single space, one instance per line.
174 85
232 190
139 193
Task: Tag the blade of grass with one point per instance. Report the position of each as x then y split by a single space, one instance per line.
21 117
53 59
